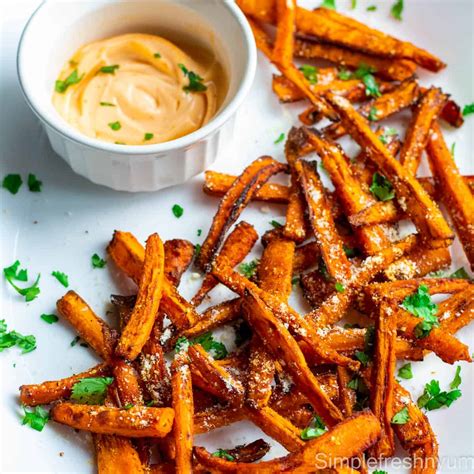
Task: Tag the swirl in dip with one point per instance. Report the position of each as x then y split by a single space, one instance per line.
139 89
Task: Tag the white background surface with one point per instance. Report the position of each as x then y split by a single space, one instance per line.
61 227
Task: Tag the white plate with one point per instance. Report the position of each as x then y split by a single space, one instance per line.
61 227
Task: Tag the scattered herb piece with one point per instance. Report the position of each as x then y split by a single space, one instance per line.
460 273
344 74
276 224
388 132
362 392
115 126
36 419
109 69
207 341
401 417
354 4
468 109
195 81
331 4
177 211
34 184
182 344
457 379
223 453
380 472
453 149
280 138
433 398
107 104
295 280
128 406
421 305
349 251
61 277
91 390
12 183
199 232
373 114
381 187
365 74
405 372
73 78
12 273
98 262
372 8
248 269
49 318
362 357
315 429
397 10
75 341
157 55
13 338
310 73
197 250
339 287
148 136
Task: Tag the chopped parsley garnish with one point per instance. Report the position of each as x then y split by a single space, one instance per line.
148 136
195 81
73 78
34 184
373 114
365 74
199 232
280 138
248 269
107 104
197 250
310 73
49 318
401 417
115 126
380 472
468 109
12 273
98 262
75 341
344 74
12 182
453 149
421 305
276 224
457 379
224 454
339 287
397 10
157 55
109 69
216 349
177 211
331 4
128 406
61 277
36 419
362 357
91 390
13 338
372 8
354 4
433 398
460 273
315 429
381 187
388 132
405 372
362 392
349 251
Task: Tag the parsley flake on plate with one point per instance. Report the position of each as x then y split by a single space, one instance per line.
195 81
397 10
49 318
372 8
339 287
344 74
460 273
402 417
387 134
280 138
13 338
115 126
353 4
107 104
12 273
381 187
109 69
331 4
276 224
73 78
468 109
248 269
36 419
457 379
365 74
405 372
34 184
310 73
157 55
75 341
433 398
12 183
15 273
61 277
421 305
91 390
98 262
315 429
373 114
177 211
197 250
224 454
199 232
148 136
209 344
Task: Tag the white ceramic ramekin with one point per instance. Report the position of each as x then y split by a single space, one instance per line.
58 28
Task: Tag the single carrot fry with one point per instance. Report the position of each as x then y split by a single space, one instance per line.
322 223
395 70
92 329
454 192
345 401
128 254
417 136
383 380
235 248
48 392
184 411
347 439
136 422
457 311
179 254
127 382
410 194
283 347
234 202
116 455
306 256
283 49
138 329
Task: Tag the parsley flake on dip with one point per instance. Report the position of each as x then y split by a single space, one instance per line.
139 89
